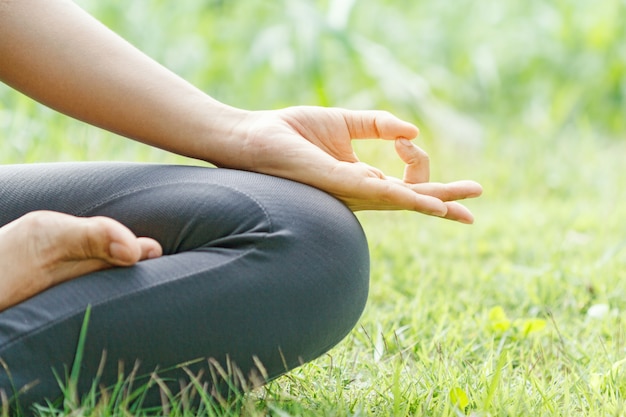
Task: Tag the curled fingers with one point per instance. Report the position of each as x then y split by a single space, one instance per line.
417 162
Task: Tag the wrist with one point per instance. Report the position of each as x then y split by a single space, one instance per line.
219 132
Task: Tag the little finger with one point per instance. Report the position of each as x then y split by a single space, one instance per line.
457 190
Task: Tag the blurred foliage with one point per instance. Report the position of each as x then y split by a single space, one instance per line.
532 96
546 66
464 71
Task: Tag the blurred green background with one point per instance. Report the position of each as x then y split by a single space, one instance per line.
468 73
528 97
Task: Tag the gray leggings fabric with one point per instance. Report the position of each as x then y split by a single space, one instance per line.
256 269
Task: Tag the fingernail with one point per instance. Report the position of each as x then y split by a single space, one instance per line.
118 251
406 142
441 211
153 254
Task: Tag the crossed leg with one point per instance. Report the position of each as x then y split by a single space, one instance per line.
255 269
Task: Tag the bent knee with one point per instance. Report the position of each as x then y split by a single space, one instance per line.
327 255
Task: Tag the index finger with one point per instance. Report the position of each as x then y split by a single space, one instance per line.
417 162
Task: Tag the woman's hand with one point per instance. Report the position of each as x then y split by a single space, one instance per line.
312 145
76 65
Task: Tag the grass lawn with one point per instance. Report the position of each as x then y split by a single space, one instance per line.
520 314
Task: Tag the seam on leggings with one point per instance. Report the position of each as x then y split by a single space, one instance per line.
105 301
127 192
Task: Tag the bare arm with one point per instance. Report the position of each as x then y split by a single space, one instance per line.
61 56
58 54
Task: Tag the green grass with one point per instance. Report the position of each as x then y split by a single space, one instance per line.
521 314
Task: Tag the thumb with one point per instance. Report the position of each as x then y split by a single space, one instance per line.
376 124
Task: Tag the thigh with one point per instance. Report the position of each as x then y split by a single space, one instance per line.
258 270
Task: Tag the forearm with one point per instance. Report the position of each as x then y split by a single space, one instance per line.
59 55
56 53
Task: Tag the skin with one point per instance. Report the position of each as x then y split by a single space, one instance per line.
45 248
59 55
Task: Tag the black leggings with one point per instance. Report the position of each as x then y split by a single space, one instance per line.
256 269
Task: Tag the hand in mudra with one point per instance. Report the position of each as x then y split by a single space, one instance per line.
313 145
